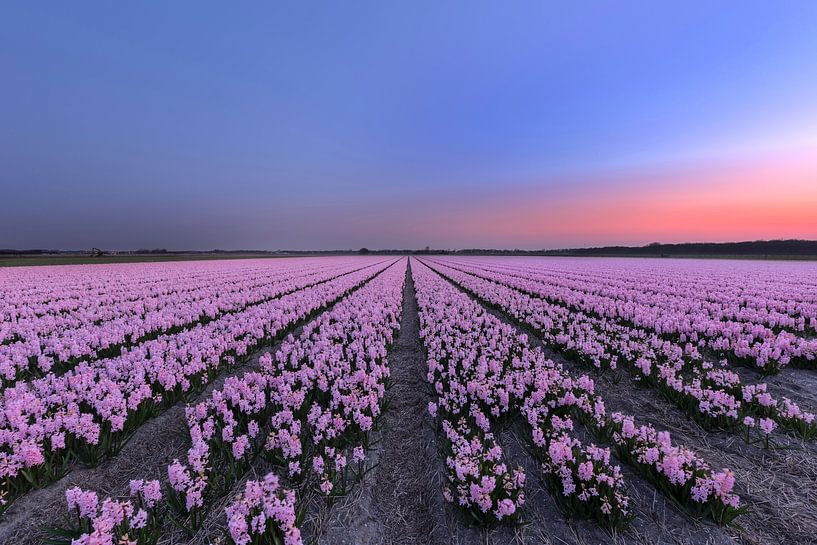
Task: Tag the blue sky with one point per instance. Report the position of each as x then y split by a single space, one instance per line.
318 125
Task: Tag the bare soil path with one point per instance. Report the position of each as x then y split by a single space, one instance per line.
400 500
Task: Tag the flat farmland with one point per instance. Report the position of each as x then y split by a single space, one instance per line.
433 399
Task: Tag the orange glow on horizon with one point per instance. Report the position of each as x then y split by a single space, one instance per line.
756 200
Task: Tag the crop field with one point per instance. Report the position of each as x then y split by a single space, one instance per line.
405 400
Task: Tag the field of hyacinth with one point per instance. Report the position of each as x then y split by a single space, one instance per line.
432 399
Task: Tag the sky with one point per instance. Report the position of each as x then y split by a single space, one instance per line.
317 125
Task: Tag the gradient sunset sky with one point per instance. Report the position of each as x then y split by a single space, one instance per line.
197 125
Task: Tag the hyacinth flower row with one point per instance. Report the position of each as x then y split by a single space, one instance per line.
547 396
781 299
744 342
128 521
483 374
309 411
712 394
781 296
748 343
90 411
107 324
44 299
767 348
264 513
581 477
80 320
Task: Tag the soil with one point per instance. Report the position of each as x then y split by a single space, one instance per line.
400 500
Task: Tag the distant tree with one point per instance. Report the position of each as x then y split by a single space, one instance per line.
363 251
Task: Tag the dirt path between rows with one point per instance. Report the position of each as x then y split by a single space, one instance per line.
399 502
